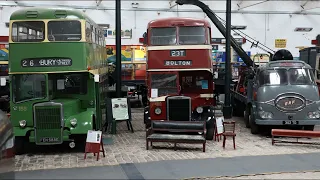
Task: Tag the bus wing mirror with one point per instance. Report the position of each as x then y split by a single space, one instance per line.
145 38
3 81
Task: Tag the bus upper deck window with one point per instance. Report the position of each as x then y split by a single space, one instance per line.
27 31
64 31
192 35
163 36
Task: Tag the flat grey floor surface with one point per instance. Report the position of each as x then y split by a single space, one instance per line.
178 169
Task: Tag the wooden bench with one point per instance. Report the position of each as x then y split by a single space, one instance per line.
177 132
293 134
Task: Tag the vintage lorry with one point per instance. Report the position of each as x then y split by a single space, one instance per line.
284 101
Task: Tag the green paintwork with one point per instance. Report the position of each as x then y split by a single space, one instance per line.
82 107
47 13
76 51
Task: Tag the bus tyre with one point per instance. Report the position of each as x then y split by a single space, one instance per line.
254 127
247 117
19 145
210 133
237 108
309 127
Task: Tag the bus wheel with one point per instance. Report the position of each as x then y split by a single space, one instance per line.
254 127
247 117
309 127
210 133
80 142
20 145
237 108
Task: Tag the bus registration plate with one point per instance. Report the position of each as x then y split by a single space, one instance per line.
46 62
290 122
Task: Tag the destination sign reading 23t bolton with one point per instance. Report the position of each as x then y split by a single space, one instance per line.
46 62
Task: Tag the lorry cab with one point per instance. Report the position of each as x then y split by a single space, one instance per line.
284 93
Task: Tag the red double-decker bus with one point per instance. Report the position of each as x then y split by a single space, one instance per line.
179 71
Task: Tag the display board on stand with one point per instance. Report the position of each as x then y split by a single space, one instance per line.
219 127
118 110
94 144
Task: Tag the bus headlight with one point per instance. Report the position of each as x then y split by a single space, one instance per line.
23 123
265 115
314 115
73 121
199 110
157 110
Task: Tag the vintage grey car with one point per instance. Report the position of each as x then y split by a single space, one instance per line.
283 93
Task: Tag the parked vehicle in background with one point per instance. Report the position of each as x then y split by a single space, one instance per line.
7 155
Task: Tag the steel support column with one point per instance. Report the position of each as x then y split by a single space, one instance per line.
118 47
227 109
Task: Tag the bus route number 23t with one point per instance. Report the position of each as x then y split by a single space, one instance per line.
177 53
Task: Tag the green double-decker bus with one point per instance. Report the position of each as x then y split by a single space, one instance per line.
58 76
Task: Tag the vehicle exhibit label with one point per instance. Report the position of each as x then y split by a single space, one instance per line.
178 63
46 62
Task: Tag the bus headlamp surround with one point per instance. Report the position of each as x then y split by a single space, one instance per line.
23 123
199 110
73 122
157 111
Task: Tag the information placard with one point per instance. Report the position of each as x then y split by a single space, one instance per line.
94 143
94 136
219 125
120 108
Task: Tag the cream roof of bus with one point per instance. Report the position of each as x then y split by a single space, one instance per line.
48 13
170 22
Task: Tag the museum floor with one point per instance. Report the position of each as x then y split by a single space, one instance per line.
127 158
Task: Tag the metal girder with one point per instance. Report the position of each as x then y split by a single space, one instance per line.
252 5
239 3
98 2
304 4
164 9
172 4
303 10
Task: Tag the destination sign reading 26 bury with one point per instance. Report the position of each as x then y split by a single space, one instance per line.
46 62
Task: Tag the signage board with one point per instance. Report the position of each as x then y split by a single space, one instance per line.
178 53
46 62
120 108
280 43
177 62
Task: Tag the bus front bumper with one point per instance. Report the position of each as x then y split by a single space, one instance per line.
287 122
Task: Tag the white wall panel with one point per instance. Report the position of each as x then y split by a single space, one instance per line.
263 27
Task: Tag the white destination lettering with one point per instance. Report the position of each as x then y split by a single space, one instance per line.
178 63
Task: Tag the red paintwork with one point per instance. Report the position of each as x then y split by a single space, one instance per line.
172 22
4 38
201 58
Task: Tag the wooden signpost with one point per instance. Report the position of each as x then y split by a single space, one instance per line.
94 144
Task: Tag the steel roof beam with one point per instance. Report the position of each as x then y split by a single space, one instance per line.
252 4
98 2
304 4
